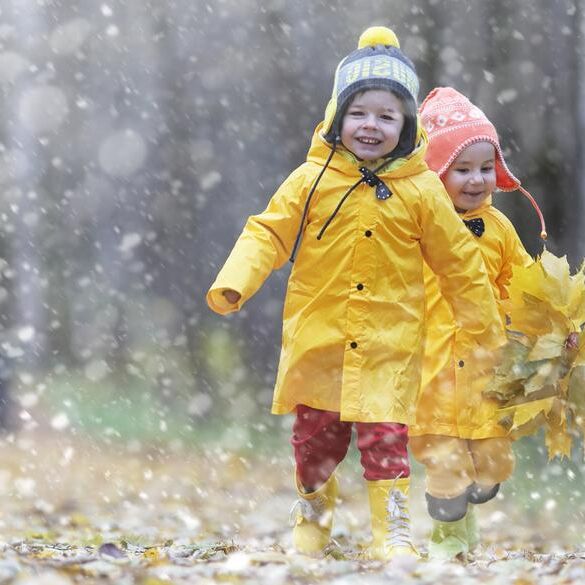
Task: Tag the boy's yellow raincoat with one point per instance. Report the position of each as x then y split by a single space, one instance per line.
451 401
353 327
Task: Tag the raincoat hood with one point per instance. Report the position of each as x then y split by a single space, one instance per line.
346 162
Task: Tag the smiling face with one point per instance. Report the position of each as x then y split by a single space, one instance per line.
372 124
471 179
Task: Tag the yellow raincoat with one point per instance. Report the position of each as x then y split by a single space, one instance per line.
451 401
353 327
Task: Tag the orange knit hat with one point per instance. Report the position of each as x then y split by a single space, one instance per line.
453 123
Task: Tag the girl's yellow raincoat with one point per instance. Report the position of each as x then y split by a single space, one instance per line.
451 401
353 324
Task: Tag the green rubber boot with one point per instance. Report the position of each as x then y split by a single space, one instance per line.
472 528
312 518
449 540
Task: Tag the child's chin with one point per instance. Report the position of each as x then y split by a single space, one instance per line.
471 205
368 155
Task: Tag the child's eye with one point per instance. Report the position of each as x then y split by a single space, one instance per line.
487 169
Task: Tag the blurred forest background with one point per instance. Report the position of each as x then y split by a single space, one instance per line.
136 136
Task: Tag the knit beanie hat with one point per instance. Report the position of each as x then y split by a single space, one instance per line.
453 123
378 63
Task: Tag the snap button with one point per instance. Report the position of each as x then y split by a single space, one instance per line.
353 344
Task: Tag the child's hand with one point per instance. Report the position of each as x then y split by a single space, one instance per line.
572 342
231 296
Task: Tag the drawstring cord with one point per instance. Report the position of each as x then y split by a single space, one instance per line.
367 177
307 203
543 234
337 208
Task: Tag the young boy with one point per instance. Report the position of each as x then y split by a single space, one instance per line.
368 211
456 436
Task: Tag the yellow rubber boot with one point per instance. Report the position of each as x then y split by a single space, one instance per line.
312 517
390 519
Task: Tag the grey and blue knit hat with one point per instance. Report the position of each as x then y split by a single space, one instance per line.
378 63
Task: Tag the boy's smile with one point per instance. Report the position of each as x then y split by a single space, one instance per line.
372 124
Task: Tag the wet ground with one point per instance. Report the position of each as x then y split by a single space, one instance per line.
76 511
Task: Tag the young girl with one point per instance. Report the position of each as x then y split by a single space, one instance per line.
368 211
465 452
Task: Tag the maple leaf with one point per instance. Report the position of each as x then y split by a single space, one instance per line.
549 345
558 441
527 314
556 286
576 395
525 412
540 380
547 374
564 292
527 280
511 371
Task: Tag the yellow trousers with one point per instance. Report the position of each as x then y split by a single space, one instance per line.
453 464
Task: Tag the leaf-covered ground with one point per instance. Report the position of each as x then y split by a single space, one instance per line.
83 512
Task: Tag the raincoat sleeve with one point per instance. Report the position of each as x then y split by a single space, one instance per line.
451 253
514 255
264 245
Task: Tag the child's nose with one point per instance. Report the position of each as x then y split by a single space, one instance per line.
476 177
370 121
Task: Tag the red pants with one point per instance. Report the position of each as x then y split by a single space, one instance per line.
320 442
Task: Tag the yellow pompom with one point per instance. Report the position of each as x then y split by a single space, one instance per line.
378 35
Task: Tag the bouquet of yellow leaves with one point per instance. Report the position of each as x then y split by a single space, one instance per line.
540 380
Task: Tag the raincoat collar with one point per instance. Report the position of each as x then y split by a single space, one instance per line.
471 214
345 162
331 160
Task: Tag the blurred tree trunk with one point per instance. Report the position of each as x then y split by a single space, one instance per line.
575 239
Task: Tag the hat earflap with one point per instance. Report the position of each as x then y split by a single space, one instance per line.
330 111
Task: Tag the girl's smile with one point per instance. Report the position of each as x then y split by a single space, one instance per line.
471 179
